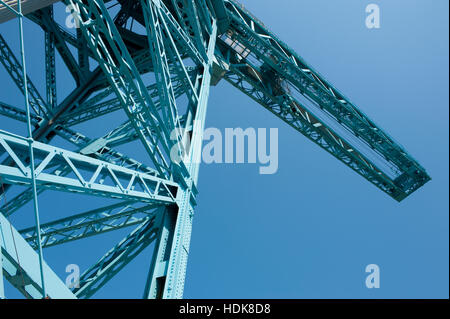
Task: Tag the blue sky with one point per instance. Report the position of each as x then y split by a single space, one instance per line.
310 230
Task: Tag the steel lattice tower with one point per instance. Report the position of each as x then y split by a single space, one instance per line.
155 60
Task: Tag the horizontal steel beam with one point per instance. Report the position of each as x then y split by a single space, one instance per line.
91 223
87 175
120 69
17 114
28 6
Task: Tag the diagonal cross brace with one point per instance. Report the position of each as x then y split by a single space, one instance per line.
114 59
118 257
91 223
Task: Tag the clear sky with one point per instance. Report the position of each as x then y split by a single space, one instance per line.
310 230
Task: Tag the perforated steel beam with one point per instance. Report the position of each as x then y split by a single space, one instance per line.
89 175
28 6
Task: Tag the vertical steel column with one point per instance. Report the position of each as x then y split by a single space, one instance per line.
154 287
50 64
168 268
30 142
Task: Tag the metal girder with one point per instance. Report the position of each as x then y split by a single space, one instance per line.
14 68
43 125
274 59
221 15
43 131
50 64
205 14
118 257
122 134
91 223
126 11
87 147
36 102
173 51
168 269
68 37
8 8
19 262
83 52
186 11
114 59
180 35
293 113
90 176
159 54
18 201
49 25
93 108
216 39
156 280
17 114
104 152
184 42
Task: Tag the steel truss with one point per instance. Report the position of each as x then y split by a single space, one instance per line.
159 77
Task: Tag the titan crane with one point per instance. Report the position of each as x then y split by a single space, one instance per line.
155 60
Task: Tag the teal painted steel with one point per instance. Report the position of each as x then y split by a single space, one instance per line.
188 46
118 257
103 179
31 152
23 272
91 223
274 64
2 285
